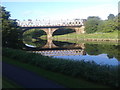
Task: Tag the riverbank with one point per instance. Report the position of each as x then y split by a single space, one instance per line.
89 71
90 37
65 80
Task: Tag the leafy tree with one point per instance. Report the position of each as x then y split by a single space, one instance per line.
118 17
91 24
107 26
11 34
111 16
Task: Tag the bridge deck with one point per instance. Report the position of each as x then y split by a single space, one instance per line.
56 26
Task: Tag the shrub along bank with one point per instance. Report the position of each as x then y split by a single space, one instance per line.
105 74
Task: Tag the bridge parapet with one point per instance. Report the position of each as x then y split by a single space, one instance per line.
38 23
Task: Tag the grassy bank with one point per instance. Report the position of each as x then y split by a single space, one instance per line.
6 83
91 71
89 37
67 81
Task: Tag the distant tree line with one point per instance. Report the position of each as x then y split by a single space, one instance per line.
95 24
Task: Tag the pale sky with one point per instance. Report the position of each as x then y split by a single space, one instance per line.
60 9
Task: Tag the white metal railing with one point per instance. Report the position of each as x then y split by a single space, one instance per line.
38 23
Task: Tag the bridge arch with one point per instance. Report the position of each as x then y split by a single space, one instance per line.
62 31
49 32
33 32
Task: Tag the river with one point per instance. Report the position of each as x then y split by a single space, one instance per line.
101 53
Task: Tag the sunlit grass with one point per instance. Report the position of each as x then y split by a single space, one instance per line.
112 36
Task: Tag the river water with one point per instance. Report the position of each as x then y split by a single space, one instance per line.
101 53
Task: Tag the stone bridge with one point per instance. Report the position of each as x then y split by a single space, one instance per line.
50 26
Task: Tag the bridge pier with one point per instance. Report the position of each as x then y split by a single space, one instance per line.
80 30
50 44
49 32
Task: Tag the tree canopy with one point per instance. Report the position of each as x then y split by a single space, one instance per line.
95 24
91 24
11 34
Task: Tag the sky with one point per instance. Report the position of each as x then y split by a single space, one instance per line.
60 9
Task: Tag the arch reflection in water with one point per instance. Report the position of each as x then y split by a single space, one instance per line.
99 53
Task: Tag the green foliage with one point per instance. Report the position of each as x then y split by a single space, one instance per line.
64 80
11 34
90 70
94 24
118 17
6 83
107 26
35 42
34 33
91 24
111 16
96 49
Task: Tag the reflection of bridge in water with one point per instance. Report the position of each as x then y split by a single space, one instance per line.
67 49
61 52
50 49
50 44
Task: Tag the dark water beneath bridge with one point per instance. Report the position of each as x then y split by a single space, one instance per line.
101 53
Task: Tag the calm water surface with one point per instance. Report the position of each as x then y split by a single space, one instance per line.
100 53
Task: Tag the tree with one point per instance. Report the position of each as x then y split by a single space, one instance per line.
111 16
11 34
107 26
118 17
91 25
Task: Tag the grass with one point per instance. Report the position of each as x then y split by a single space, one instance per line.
6 83
72 36
67 81
91 71
88 42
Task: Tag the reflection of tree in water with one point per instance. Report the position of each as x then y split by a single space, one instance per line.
63 44
92 49
31 37
96 49
37 42
110 56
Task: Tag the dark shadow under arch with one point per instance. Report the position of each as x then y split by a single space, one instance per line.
62 31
